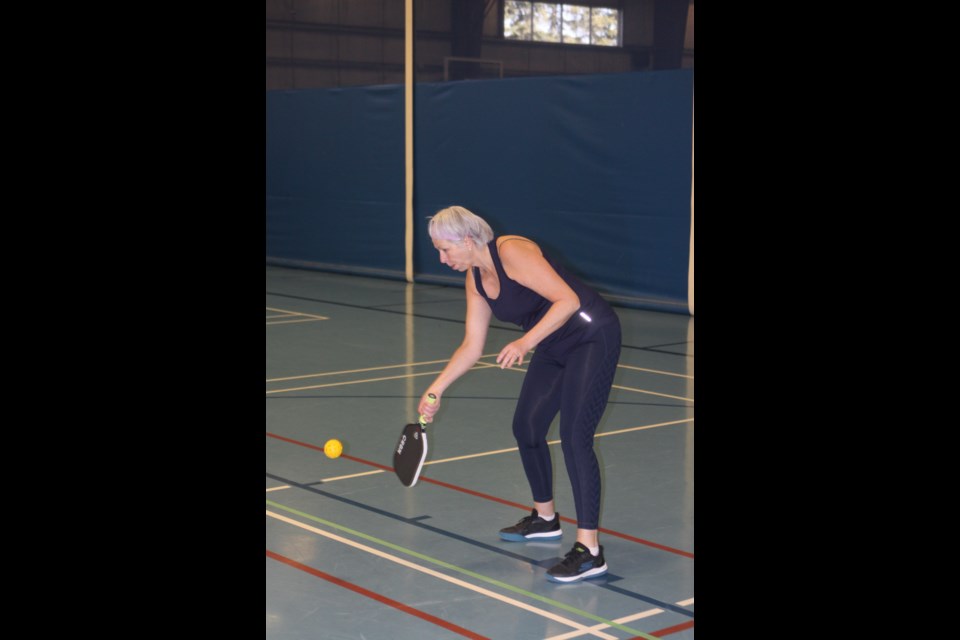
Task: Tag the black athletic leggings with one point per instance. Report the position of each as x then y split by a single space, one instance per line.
576 383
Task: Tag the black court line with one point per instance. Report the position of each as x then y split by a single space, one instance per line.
654 348
416 522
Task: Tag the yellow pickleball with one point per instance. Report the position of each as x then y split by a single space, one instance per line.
333 448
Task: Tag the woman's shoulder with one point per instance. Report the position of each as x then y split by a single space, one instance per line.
510 244
517 254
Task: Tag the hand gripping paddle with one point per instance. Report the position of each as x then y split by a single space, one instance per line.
411 450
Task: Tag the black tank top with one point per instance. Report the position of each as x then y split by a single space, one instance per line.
525 307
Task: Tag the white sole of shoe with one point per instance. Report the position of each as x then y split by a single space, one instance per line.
589 573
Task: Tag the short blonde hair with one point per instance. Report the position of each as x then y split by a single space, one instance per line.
455 224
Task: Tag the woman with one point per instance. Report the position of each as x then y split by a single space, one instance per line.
576 335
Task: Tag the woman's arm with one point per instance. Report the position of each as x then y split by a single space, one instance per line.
524 263
469 351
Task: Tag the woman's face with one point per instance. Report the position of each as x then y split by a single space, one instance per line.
456 255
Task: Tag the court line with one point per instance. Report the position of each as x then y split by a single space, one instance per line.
664 632
422 569
663 373
526 508
299 313
468 456
426 362
653 393
551 442
475 367
440 622
295 321
455 320
473 542
352 475
616 386
631 618
340 384
451 567
486 496
389 366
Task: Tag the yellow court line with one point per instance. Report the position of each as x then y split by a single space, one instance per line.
389 366
663 373
298 313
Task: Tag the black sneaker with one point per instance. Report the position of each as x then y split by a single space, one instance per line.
578 565
533 527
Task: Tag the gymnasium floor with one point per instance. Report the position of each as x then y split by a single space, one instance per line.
351 553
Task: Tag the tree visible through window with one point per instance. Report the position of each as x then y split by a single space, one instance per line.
566 23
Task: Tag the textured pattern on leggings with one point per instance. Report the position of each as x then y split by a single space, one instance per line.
577 384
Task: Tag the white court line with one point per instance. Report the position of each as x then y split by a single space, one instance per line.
653 393
598 435
623 620
479 364
339 384
285 486
616 386
663 373
284 315
298 313
623 366
442 576
472 455
299 320
498 451
649 426
338 373
352 475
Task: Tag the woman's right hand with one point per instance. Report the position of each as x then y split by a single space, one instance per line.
429 406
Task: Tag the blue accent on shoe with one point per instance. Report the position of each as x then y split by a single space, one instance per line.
512 537
516 537
532 528
579 564
575 578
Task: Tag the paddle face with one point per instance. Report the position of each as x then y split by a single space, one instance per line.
410 454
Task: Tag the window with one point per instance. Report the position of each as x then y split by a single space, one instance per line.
566 23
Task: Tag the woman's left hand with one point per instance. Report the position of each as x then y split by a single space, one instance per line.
512 354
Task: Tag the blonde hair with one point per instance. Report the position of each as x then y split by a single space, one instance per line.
455 224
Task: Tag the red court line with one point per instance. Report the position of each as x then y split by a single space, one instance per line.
376 596
669 630
342 455
485 496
